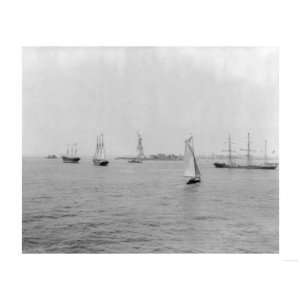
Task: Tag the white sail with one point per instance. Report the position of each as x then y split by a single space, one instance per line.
191 168
197 170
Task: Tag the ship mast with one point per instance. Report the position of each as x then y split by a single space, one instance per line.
97 146
249 150
102 153
229 149
75 150
266 152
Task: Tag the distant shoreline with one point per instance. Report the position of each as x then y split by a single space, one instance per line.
150 158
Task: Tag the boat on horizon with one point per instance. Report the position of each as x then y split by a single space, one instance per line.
51 156
232 165
99 157
191 166
140 151
70 156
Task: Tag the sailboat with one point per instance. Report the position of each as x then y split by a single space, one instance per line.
191 167
140 151
71 155
99 157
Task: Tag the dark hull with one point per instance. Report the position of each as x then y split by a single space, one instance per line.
135 161
193 180
100 162
72 160
249 167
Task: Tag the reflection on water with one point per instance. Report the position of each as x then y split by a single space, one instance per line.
129 208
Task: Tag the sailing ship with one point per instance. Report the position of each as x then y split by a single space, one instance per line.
140 151
249 165
71 155
99 157
191 167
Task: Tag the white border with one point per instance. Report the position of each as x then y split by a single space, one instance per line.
157 23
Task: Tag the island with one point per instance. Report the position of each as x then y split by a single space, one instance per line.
159 156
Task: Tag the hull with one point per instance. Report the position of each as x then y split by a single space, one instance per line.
136 161
249 167
51 157
72 160
220 165
100 162
194 180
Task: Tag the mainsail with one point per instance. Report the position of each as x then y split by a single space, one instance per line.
197 170
191 168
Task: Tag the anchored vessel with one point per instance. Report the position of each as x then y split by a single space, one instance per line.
99 157
70 156
51 156
249 165
191 167
140 151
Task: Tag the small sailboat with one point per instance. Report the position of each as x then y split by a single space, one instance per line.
140 151
191 167
99 157
71 155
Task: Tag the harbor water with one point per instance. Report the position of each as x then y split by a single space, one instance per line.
147 208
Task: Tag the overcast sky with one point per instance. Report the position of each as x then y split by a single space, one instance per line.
72 94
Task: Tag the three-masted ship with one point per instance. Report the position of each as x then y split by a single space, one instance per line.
249 165
191 166
71 155
140 151
99 157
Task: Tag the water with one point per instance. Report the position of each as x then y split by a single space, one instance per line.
147 208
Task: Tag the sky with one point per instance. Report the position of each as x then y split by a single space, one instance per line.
72 94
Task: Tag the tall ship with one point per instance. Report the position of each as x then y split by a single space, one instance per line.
140 151
99 157
249 164
191 166
71 155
